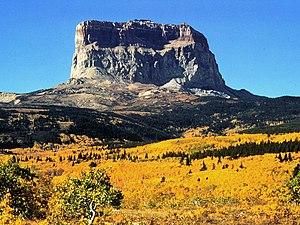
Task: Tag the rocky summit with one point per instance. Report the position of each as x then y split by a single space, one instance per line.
123 66
176 56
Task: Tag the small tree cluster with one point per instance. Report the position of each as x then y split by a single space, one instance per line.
86 197
286 158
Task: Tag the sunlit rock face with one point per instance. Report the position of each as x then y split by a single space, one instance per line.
146 52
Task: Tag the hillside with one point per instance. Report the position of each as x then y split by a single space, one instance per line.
163 190
23 126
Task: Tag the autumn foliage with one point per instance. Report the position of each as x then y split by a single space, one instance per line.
239 178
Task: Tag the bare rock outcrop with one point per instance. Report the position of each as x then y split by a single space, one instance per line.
146 52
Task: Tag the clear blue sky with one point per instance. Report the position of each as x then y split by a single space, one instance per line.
256 42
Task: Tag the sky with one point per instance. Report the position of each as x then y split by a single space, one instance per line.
256 42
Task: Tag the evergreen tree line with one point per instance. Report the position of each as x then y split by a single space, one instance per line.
243 150
174 155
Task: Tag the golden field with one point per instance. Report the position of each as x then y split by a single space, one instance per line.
157 190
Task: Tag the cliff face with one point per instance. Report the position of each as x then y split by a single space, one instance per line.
146 52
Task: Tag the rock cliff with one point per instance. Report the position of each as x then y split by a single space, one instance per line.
146 52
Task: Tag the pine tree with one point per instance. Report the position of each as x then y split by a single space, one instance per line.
187 161
280 157
213 166
285 159
204 167
181 160
14 159
290 157
241 166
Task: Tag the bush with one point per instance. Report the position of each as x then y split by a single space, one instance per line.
294 185
26 194
86 197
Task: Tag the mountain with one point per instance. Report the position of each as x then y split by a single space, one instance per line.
146 52
175 57
117 64
158 79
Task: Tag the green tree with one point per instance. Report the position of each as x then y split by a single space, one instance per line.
294 185
86 197
28 194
